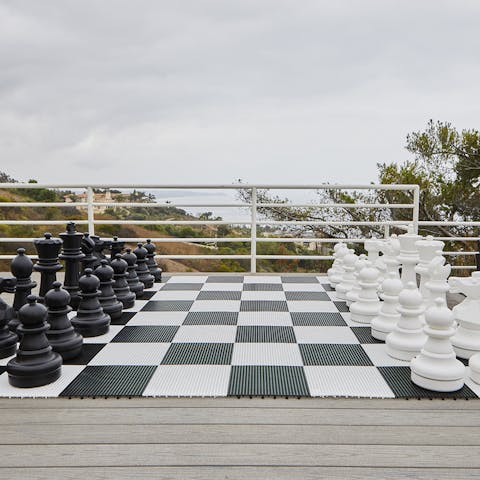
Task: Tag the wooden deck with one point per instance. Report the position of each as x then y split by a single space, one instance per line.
229 438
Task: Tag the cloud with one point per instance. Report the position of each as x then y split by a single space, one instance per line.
212 91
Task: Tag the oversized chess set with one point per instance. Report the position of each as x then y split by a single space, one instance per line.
377 326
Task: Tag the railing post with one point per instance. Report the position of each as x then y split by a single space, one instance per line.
416 207
386 231
90 212
253 232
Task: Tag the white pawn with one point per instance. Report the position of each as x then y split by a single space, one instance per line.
373 247
466 341
333 270
436 367
368 305
437 284
408 337
428 249
408 256
352 295
336 276
385 322
348 279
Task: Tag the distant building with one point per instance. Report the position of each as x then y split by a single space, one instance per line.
102 197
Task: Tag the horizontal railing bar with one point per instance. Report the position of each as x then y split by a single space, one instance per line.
213 186
463 267
41 222
337 205
205 257
448 224
327 223
459 253
295 257
43 204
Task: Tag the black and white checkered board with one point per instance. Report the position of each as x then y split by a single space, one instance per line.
235 336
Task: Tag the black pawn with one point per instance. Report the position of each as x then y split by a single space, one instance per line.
91 320
120 286
21 268
116 246
142 268
72 255
88 247
135 285
48 265
108 299
8 339
154 269
61 335
35 364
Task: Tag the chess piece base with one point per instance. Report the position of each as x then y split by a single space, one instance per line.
23 375
69 348
438 385
8 347
474 365
91 328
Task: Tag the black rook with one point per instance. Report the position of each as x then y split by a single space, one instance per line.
48 264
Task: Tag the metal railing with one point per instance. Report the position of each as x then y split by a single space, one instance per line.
253 222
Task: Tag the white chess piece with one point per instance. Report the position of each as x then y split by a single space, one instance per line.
348 279
385 322
333 270
437 284
391 250
408 337
436 367
336 277
428 249
466 341
368 305
352 295
408 256
373 246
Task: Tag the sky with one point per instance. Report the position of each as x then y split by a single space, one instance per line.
212 91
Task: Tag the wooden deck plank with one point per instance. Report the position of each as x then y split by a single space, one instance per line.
233 402
158 416
131 455
240 434
239 473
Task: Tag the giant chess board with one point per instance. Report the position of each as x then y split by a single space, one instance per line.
235 336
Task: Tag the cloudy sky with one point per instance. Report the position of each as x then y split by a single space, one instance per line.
209 91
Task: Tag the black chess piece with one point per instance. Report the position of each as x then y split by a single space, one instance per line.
91 320
21 268
142 269
100 246
88 247
62 337
154 269
48 265
120 286
108 299
72 255
135 285
35 364
116 246
8 339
